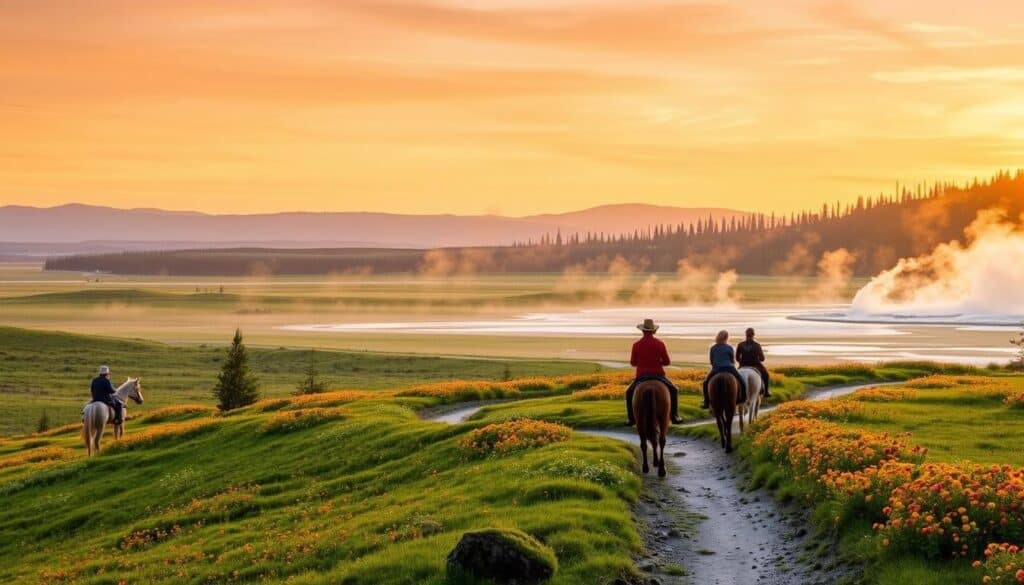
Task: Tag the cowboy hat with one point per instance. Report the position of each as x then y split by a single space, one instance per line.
647 325
104 370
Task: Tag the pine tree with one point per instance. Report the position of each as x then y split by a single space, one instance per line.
311 384
236 386
44 423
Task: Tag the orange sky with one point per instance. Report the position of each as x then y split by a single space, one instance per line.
459 106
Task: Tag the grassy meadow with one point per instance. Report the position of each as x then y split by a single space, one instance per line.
50 371
922 482
350 488
346 486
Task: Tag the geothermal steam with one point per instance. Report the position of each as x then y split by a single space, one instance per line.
983 277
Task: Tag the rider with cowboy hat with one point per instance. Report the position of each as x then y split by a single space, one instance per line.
103 391
650 357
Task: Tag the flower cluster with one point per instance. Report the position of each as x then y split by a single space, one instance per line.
287 421
230 503
812 448
936 510
40 455
514 435
945 381
462 390
601 392
885 394
335 398
1004 563
156 434
952 510
835 410
180 411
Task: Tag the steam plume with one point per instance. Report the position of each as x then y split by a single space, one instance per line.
983 276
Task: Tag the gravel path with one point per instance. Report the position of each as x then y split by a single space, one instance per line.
700 519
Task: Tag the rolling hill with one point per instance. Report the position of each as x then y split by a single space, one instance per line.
84 229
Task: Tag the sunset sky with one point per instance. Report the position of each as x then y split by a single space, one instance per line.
490 106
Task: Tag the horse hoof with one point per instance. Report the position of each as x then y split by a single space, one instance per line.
662 472
728 449
646 469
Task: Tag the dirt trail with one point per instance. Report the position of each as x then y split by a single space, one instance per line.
700 518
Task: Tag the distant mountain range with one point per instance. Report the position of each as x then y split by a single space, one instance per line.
76 228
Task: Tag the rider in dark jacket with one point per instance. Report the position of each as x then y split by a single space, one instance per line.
103 391
750 355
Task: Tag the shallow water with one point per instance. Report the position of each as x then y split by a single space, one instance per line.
791 332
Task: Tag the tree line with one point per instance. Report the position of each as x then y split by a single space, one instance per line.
876 231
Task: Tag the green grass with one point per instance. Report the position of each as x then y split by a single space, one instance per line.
370 494
51 371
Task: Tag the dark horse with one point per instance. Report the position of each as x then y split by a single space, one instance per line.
651 403
722 393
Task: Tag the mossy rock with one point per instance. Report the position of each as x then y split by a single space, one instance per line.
503 556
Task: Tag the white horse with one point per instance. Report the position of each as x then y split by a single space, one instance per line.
754 386
96 414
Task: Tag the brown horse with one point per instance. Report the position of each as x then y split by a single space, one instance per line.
723 390
651 409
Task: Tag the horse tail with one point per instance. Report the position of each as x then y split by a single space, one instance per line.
650 414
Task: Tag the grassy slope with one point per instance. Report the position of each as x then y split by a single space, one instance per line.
377 496
51 371
947 419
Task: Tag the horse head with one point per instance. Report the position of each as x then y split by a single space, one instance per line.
135 390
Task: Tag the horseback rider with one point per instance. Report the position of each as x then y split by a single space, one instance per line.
723 360
750 355
103 391
650 357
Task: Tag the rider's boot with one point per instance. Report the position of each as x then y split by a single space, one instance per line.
675 407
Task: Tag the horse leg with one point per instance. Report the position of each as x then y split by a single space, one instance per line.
661 460
728 431
87 439
721 430
643 450
742 408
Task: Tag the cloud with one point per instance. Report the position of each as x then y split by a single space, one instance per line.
938 29
946 74
670 29
850 16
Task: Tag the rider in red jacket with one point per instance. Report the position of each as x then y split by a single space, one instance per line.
650 357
